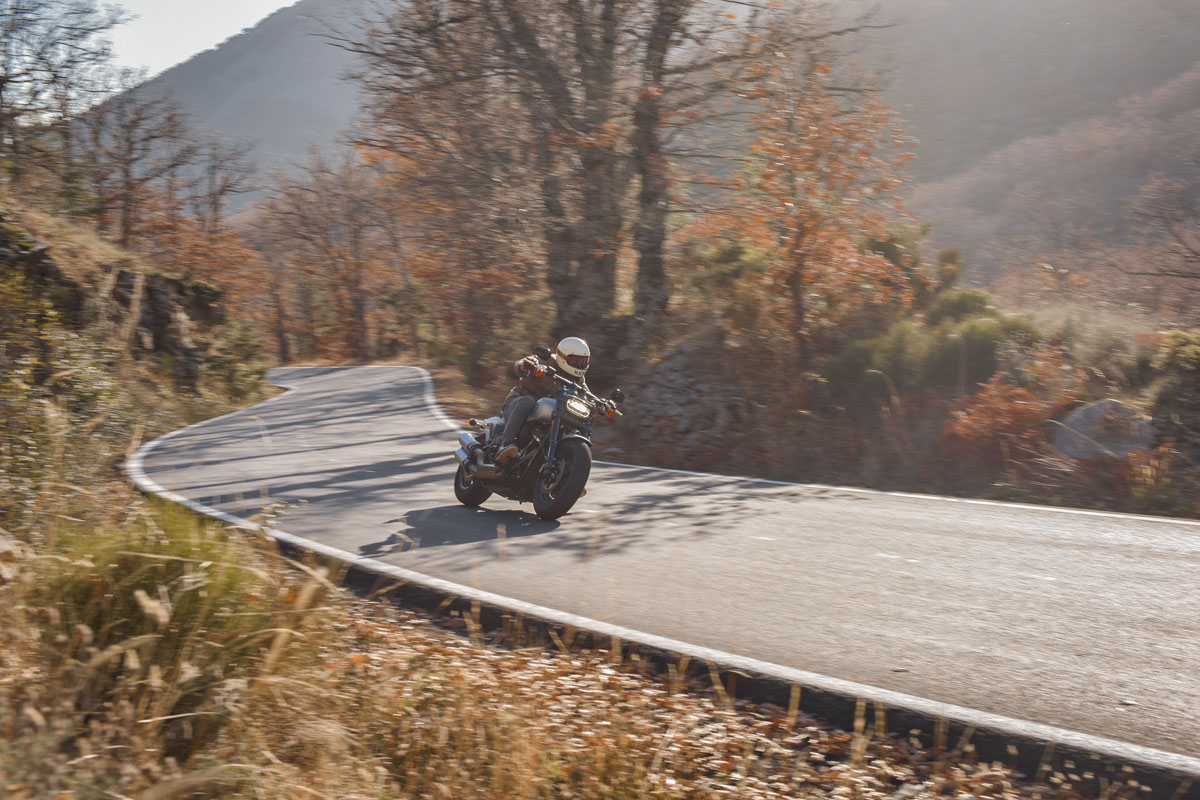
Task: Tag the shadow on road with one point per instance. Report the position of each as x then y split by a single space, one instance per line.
345 452
458 525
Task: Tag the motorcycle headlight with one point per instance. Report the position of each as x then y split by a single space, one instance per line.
578 408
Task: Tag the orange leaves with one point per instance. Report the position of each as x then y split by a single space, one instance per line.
820 177
1004 422
995 426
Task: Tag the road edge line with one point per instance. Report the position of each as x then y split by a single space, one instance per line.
1084 744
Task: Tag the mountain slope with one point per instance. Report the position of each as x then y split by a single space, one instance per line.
973 77
278 84
970 77
1070 197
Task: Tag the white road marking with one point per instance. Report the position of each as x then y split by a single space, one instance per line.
767 538
263 433
1037 577
1121 751
888 555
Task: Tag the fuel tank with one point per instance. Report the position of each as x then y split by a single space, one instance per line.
544 410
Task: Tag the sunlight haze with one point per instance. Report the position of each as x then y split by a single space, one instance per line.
167 32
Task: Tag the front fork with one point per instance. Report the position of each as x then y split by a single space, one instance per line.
548 467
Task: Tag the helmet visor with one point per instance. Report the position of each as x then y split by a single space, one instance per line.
575 361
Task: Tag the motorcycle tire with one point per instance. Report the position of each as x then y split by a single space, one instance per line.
469 492
552 501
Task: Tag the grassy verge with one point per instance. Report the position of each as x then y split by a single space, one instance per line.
162 656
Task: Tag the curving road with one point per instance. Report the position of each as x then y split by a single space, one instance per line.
1080 620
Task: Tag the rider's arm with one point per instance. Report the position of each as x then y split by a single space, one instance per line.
523 367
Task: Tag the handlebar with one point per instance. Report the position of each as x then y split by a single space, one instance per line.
558 376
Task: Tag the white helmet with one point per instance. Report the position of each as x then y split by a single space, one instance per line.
573 355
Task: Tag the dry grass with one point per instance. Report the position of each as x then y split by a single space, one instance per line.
166 657
77 248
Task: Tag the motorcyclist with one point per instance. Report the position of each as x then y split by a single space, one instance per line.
572 356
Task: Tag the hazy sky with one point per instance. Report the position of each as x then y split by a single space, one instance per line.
167 32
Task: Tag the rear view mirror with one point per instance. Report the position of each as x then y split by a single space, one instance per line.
617 396
542 352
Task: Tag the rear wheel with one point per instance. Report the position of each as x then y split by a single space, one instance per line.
557 490
469 491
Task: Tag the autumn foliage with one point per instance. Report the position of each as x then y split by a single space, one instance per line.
1006 423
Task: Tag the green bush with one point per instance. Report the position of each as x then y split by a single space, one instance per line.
729 266
1177 398
913 355
956 305
235 363
1178 357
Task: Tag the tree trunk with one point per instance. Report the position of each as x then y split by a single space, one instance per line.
652 292
650 232
280 325
797 286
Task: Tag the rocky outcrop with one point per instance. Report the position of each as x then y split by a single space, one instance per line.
21 252
1104 428
140 311
675 415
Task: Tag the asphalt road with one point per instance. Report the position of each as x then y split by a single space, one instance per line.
1084 621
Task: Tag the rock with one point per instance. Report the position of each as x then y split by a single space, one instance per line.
32 259
147 312
1107 427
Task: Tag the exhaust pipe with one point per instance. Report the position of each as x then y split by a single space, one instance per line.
475 467
466 441
482 469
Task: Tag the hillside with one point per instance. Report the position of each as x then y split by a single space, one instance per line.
147 653
278 84
1071 197
970 77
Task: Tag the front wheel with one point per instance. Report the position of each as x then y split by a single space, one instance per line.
558 489
469 491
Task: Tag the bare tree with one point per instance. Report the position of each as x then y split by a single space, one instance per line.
1172 213
133 141
221 168
50 53
324 220
564 114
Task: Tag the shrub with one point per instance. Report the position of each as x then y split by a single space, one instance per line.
1178 357
728 267
235 363
1003 425
1109 347
1177 396
954 355
154 634
61 411
958 304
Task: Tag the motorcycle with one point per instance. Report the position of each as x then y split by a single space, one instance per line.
554 459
